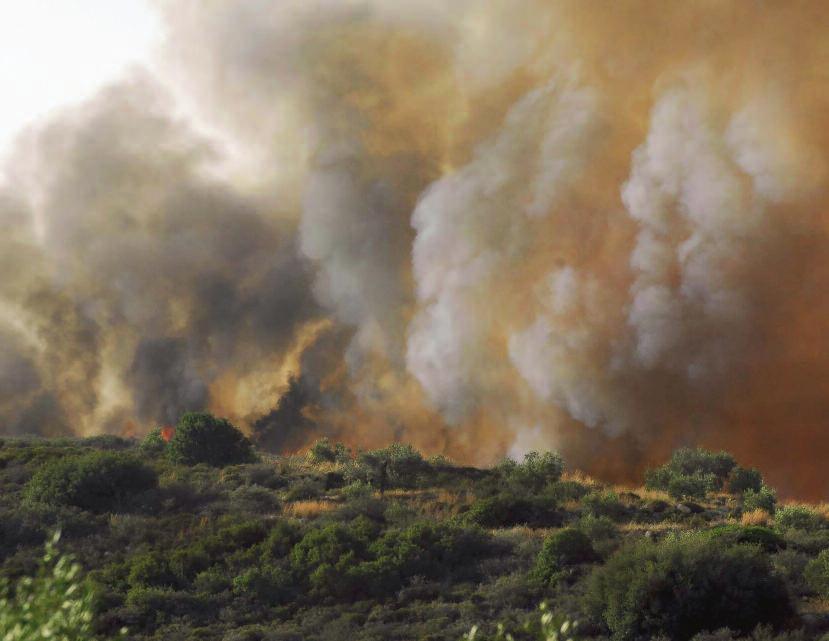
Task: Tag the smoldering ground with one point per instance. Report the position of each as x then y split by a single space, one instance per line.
481 227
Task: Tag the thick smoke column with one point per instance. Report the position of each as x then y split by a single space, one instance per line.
479 227
133 278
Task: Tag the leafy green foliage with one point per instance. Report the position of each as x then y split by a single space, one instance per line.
561 551
742 479
691 486
763 537
691 473
209 555
764 499
548 627
56 603
799 517
202 438
97 481
536 471
605 504
153 442
507 509
817 574
683 585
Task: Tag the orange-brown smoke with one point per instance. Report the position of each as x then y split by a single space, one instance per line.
480 227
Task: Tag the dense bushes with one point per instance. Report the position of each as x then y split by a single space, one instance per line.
561 551
535 472
351 561
691 473
507 509
742 479
763 499
202 438
397 465
210 555
684 585
97 481
817 574
763 537
799 517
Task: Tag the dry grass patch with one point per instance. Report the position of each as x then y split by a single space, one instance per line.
664 526
821 509
581 477
756 517
308 509
819 606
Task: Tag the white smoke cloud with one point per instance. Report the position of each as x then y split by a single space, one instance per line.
474 225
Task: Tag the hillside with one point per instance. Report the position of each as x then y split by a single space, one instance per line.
388 544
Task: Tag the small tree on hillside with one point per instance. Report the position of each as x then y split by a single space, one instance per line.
203 438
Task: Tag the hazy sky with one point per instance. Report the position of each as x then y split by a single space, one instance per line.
57 51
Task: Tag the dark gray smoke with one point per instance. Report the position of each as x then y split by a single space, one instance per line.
134 278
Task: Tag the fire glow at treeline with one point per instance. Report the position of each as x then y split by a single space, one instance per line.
477 227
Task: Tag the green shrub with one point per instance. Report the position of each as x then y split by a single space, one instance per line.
742 479
398 465
764 499
322 451
305 489
691 486
185 564
548 627
153 442
97 481
604 504
214 580
601 531
270 585
107 442
560 552
505 510
691 473
54 604
567 490
281 539
202 438
691 461
254 499
153 604
799 517
684 585
536 471
768 540
151 570
817 574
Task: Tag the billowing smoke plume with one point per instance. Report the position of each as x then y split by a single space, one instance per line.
480 227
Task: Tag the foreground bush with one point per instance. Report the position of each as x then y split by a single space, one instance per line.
685 585
97 482
548 627
54 604
202 438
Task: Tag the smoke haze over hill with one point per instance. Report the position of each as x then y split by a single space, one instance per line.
481 228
